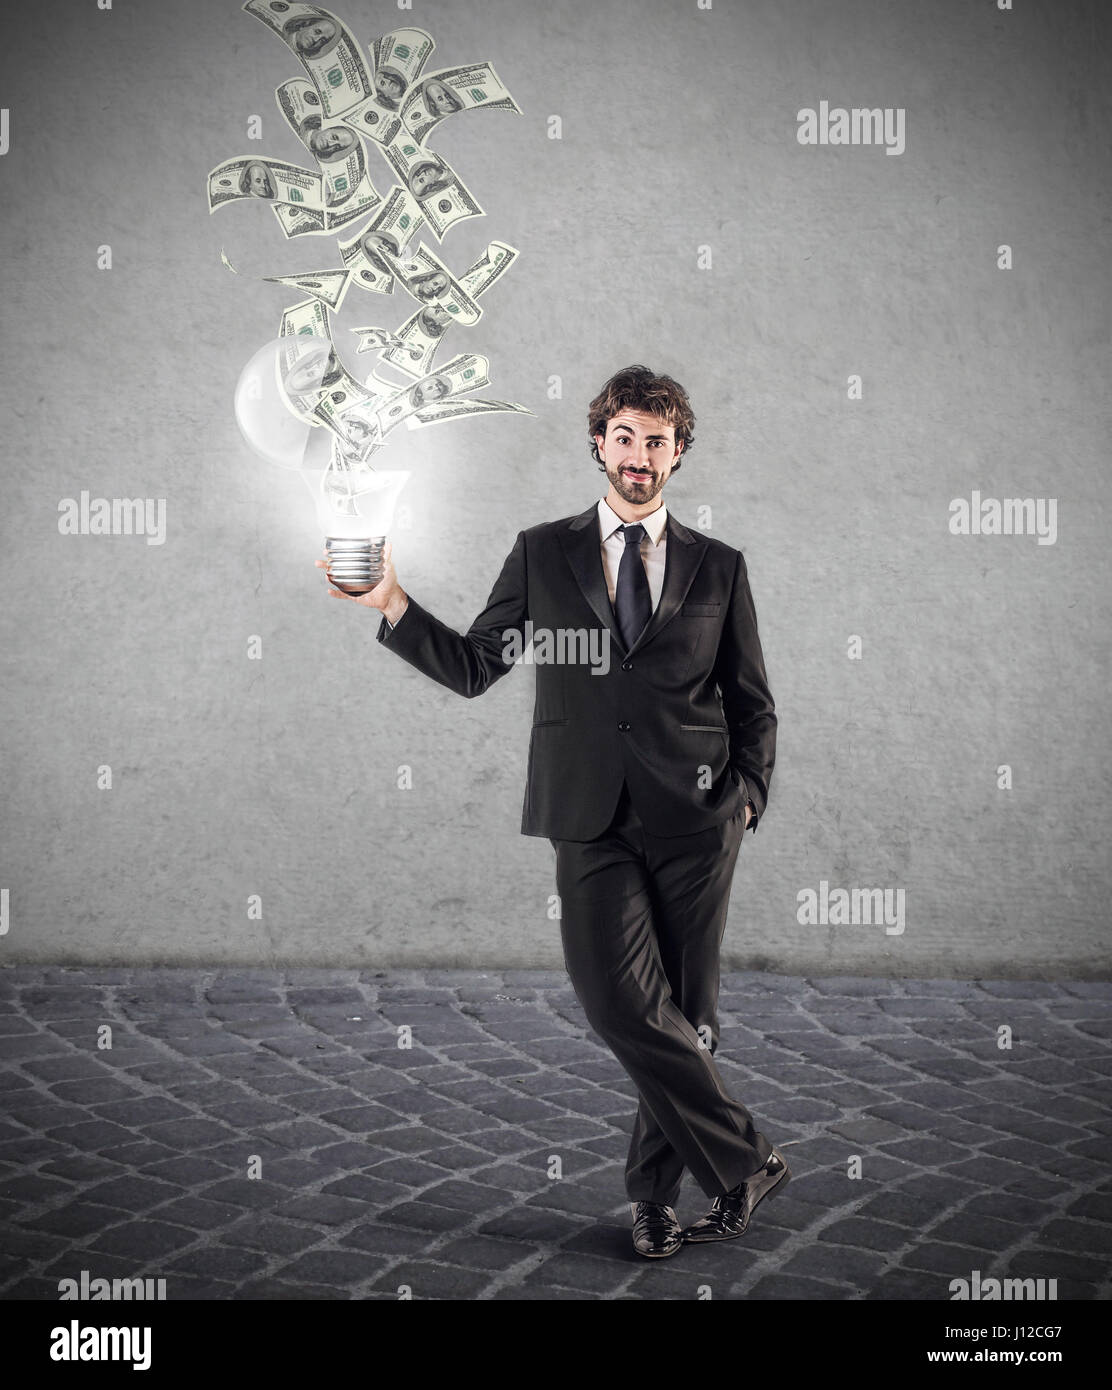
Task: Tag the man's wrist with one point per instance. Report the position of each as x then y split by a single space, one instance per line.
395 608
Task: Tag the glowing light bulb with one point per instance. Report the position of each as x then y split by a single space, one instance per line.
275 402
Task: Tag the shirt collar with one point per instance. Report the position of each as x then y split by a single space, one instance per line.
654 523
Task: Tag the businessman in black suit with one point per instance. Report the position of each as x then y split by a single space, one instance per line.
651 753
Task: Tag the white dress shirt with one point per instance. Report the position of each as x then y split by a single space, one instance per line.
654 547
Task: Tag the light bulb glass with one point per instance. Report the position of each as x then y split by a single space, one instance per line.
274 401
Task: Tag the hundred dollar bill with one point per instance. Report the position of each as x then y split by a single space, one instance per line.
353 420
296 221
248 176
347 189
426 277
346 479
440 193
417 340
364 200
397 59
371 339
402 53
388 233
422 333
495 260
326 49
374 120
467 372
307 379
449 90
329 286
441 411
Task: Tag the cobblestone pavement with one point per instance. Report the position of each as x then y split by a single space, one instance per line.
485 1160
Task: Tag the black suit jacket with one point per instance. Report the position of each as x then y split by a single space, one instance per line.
685 717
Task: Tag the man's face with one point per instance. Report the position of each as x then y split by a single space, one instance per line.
638 452
436 284
438 98
314 36
422 178
388 86
258 180
331 141
374 243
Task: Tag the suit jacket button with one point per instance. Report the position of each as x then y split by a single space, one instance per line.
624 726
627 665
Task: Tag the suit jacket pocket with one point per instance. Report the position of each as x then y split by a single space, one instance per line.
706 728
701 610
544 723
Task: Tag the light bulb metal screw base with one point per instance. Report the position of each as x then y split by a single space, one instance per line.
356 566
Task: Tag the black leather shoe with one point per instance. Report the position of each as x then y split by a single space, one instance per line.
656 1232
729 1217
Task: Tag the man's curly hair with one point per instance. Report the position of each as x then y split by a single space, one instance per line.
638 388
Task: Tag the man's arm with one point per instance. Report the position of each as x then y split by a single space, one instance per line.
746 699
468 663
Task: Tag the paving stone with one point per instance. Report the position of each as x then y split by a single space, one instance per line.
131 1193
864 1233
371 1190
143 1240
587 1273
796 1286
430 1281
273 1236
424 1216
75 1219
322 1209
1087 1237
853 1268
333 1267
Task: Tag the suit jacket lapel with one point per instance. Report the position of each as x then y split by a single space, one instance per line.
682 560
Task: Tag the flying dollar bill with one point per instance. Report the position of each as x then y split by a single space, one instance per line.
423 332
495 261
372 339
314 374
418 340
353 421
372 119
467 372
348 191
439 412
295 221
325 48
442 93
388 233
329 286
425 276
346 479
248 176
397 59
440 193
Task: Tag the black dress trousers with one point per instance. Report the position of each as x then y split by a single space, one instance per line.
642 920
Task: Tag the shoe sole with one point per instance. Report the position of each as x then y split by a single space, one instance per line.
778 1186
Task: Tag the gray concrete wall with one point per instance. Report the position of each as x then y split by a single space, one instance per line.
234 777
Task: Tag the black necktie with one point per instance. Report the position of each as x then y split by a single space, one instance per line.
633 603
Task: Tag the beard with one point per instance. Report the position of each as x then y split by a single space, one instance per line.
630 491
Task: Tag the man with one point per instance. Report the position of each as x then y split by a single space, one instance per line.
644 777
